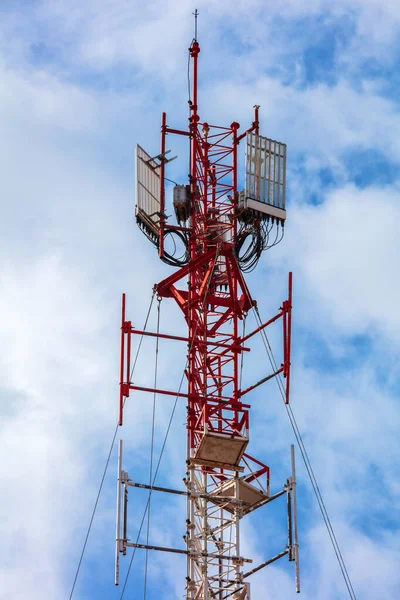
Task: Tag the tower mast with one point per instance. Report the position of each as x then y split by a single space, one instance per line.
223 481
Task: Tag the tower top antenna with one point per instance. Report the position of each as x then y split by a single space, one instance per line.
196 14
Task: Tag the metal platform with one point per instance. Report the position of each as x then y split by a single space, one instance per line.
220 450
249 494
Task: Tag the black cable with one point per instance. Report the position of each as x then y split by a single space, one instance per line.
249 258
276 238
259 232
277 241
106 465
170 259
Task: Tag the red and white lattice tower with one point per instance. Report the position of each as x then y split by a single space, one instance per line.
223 231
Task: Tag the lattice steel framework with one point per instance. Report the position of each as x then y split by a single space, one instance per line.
223 482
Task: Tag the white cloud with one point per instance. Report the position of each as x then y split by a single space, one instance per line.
70 119
51 366
345 255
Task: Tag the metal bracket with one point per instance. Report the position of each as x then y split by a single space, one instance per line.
122 541
161 157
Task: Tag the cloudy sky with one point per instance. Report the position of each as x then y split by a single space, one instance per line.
81 84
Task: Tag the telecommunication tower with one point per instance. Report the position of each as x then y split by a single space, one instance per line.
223 231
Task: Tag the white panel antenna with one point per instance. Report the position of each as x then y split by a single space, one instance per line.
147 208
265 190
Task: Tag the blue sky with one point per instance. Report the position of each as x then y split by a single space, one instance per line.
81 84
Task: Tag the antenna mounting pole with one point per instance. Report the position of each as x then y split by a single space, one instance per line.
196 14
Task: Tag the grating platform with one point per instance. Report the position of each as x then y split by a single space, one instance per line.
249 494
219 450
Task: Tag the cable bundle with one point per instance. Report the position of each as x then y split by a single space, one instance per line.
253 237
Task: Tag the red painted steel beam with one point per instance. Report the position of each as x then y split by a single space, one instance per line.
122 360
264 380
289 338
182 272
261 327
177 131
157 391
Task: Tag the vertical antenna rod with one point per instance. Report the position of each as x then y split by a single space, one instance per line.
196 14
296 540
118 517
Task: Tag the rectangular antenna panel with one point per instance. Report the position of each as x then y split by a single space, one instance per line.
147 192
265 190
